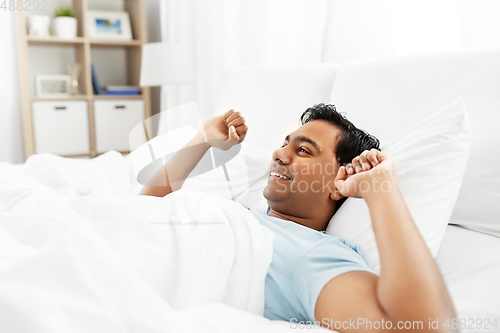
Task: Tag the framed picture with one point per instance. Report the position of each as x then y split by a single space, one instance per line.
108 25
53 85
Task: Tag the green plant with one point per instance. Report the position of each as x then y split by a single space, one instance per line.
63 11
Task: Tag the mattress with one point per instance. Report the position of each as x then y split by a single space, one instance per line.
470 264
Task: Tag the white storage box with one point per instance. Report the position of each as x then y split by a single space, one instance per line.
113 122
61 127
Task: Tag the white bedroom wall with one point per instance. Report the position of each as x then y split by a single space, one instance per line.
361 29
11 149
357 29
479 23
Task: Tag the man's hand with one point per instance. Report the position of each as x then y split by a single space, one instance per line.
365 174
225 130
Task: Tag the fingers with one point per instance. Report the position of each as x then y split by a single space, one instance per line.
236 122
340 179
380 156
368 159
349 169
231 115
372 156
233 135
356 163
241 129
243 133
228 113
235 119
341 174
365 161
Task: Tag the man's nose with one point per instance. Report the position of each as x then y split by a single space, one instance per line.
281 156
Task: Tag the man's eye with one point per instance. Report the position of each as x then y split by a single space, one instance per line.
302 149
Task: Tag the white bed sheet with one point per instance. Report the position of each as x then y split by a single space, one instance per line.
78 254
470 264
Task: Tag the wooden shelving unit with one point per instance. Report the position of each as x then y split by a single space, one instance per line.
106 97
115 42
83 46
54 40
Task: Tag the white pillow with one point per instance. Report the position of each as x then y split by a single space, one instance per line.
388 95
431 158
272 97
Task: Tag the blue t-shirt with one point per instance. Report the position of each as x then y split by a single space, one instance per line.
304 261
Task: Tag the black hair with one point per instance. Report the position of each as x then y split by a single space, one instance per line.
351 143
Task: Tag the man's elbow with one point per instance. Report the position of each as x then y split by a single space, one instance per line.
156 191
438 319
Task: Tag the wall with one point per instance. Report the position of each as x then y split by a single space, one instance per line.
361 29
10 117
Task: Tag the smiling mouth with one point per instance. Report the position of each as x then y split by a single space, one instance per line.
276 174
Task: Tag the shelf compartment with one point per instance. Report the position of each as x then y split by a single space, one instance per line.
45 59
117 66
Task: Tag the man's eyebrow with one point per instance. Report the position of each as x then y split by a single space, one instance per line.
301 138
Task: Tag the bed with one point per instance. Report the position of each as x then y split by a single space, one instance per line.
470 264
72 263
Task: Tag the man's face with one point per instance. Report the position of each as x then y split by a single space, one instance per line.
303 169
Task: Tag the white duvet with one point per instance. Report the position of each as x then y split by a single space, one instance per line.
79 253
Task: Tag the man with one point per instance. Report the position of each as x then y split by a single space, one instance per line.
316 276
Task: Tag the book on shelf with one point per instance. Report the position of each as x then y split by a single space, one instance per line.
123 90
95 81
118 88
130 92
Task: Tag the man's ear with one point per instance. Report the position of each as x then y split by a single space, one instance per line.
334 193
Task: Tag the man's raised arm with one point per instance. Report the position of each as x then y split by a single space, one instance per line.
222 131
410 287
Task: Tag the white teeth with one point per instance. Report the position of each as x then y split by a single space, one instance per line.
279 175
